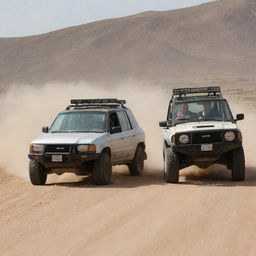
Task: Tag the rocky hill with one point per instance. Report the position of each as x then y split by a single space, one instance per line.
212 41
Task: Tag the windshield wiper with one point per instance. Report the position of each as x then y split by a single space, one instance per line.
60 131
183 119
211 119
87 131
78 131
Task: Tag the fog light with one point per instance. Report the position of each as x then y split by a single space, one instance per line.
35 157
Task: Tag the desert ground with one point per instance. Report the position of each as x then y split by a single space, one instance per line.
206 214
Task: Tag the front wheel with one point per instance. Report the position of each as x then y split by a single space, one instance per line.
102 170
37 173
238 164
171 166
137 165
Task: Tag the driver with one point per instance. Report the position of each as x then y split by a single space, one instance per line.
185 113
208 112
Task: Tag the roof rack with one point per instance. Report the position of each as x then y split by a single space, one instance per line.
211 91
89 103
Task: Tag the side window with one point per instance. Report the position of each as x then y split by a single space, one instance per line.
124 122
113 120
130 126
226 111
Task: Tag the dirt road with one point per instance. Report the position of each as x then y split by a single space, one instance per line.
204 215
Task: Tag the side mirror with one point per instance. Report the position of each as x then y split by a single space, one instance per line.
163 124
116 129
45 129
239 117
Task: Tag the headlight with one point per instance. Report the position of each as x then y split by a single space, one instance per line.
82 148
86 148
36 148
184 139
229 136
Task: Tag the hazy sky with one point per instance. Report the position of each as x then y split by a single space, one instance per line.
28 17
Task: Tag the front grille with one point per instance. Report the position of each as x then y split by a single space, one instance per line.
57 148
206 137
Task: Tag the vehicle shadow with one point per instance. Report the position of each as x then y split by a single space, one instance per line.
120 179
215 176
219 177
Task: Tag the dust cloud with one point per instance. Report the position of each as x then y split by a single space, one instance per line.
25 109
247 127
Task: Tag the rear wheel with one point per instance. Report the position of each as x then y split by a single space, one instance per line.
37 173
137 165
102 170
171 166
238 164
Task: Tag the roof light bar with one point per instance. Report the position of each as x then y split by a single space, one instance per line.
213 89
97 101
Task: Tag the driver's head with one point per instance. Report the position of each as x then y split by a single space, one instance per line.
184 108
207 107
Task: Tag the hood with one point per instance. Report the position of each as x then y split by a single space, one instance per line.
67 138
205 125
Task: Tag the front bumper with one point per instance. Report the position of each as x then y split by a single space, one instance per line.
69 160
196 152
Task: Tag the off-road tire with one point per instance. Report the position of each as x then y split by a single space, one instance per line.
171 166
37 173
136 167
238 164
102 170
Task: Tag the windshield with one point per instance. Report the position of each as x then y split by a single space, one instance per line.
207 110
79 122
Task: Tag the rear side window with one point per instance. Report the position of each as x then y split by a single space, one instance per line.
124 122
131 118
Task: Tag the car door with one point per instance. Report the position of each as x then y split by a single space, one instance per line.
116 140
128 136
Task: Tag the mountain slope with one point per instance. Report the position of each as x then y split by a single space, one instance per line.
213 39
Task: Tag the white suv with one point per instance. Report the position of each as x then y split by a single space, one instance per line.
200 130
89 137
